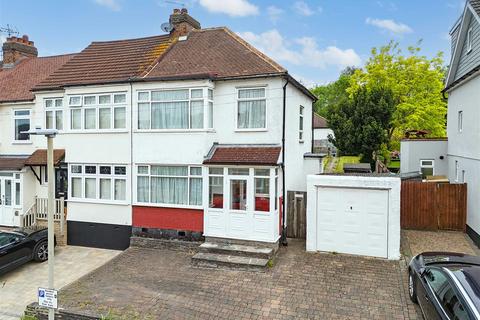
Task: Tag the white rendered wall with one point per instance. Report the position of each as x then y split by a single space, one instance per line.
322 134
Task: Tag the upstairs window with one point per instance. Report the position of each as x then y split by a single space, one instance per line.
251 109
98 112
469 40
300 125
21 119
54 113
460 121
178 109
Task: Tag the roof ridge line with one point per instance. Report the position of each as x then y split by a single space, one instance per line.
130 39
254 50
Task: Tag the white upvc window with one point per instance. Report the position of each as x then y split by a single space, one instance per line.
460 121
166 185
98 112
427 167
301 123
175 109
251 109
469 40
98 182
21 123
54 113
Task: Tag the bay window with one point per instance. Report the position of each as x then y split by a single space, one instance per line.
175 109
251 108
169 185
21 122
98 182
98 112
54 113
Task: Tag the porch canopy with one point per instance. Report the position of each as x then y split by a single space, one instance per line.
241 192
39 157
12 163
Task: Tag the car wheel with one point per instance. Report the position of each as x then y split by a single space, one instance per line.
412 290
40 253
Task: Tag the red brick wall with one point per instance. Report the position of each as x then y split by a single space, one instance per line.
168 218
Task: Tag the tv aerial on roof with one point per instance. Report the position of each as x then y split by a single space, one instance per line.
9 30
175 2
167 27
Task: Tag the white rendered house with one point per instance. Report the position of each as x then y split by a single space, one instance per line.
183 135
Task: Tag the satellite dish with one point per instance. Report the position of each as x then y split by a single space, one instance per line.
167 27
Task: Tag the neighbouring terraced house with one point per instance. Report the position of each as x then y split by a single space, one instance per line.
187 134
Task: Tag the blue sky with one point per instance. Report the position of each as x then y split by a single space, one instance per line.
313 39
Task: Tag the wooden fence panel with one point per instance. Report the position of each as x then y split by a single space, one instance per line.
433 206
296 214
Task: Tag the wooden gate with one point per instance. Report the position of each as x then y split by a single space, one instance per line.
433 206
296 214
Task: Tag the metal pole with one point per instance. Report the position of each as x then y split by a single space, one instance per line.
51 208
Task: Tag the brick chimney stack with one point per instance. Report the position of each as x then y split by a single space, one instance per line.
182 23
16 49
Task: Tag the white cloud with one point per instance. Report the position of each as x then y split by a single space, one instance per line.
302 51
233 8
301 7
110 4
274 13
389 25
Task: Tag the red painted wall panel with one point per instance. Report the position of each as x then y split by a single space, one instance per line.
168 218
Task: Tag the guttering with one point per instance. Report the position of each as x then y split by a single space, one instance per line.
284 228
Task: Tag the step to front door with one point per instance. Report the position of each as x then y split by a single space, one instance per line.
218 260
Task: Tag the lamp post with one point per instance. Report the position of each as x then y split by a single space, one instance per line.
49 134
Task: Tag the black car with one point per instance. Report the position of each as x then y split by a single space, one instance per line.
21 246
446 285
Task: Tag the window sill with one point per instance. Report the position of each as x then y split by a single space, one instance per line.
251 130
164 205
96 201
173 130
22 142
83 131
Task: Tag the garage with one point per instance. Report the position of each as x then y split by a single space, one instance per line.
354 214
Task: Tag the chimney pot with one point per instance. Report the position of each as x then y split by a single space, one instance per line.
184 10
182 23
25 37
176 11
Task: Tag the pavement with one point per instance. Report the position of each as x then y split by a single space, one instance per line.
162 284
19 287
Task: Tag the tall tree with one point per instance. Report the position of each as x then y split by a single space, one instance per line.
328 95
416 83
360 124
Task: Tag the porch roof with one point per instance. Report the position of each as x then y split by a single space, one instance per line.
16 162
39 157
266 155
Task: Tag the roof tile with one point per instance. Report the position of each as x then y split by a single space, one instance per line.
244 155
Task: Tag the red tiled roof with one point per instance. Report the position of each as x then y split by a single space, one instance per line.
39 157
244 155
109 61
216 51
319 122
12 162
16 82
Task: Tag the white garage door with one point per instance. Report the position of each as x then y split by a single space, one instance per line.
352 221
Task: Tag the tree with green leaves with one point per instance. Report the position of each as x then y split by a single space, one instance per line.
361 123
416 83
329 94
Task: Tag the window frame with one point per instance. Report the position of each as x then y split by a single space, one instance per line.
460 121
238 100
189 176
21 117
427 166
54 109
469 40
98 176
83 107
205 98
301 124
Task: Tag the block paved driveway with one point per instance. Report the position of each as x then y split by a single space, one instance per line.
161 284
19 287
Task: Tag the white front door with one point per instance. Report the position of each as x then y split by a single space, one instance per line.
240 217
6 202
352 221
